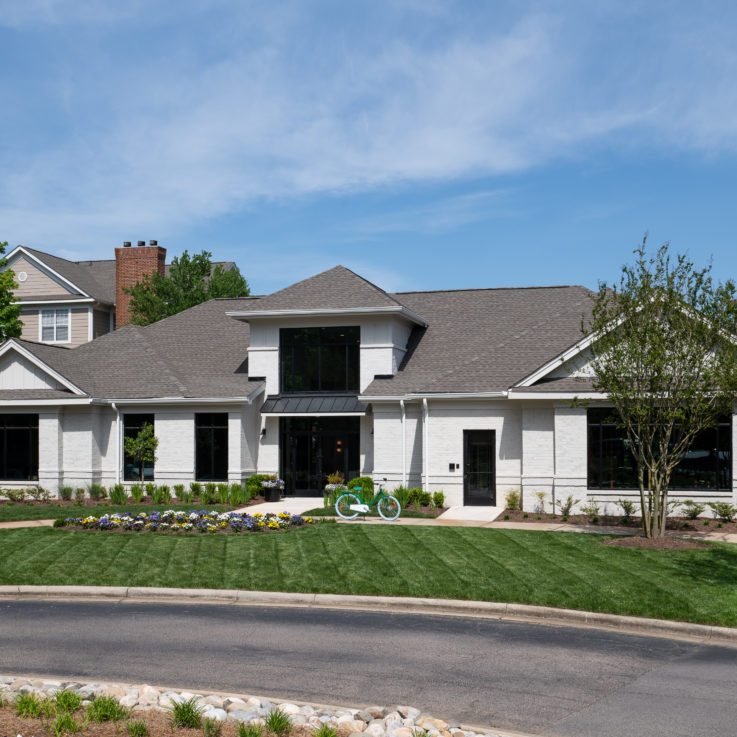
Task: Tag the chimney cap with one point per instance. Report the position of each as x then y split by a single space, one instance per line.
126 244
141 243
153 243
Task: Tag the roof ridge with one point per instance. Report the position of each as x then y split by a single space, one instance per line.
370 283
492 289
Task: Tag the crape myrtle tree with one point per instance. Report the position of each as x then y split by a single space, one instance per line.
191 280
10 324
664 352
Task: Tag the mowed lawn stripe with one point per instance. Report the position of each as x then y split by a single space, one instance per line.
570 570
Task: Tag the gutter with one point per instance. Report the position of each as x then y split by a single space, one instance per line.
117 443
404 444
425 444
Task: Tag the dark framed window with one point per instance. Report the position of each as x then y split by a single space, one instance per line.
211 446
706 467
319 359
132 425
19 447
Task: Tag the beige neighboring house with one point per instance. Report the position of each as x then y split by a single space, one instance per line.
68 303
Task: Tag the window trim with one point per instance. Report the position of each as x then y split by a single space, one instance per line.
55 310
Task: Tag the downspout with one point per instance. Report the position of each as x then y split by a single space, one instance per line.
425 438
404 445
117 442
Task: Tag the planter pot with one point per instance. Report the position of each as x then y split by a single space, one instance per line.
273 494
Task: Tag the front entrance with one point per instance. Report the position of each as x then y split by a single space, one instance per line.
479 478
313 447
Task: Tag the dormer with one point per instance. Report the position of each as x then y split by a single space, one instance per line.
331 333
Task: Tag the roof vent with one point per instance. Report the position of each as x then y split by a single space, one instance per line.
126 244
141 243
153 243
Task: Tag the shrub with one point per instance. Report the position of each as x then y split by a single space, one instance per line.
513 499
66 493
106 709
165 492
723 510
249 730
567 506
540 501
65 724
137 728
402 495
629 507
68 701
209 495
28 705
418 497
591 509
253 485
211 728
236 495
195 489
336 478
367 487
118 495
223 491
39 494
278 722
438 499
96 492
16 495
79 494
187 713
151 489
692 509
178 490
137 493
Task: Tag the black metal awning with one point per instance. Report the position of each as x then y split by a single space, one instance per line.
296 404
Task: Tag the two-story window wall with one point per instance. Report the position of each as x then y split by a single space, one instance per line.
319 359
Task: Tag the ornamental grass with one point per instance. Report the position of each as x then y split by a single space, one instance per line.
173 521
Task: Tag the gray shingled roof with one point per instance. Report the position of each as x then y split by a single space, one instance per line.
96 278
336 289
565 384
484 340
197 353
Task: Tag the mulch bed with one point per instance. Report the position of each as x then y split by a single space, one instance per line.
664 543
158 723
634 523
147 501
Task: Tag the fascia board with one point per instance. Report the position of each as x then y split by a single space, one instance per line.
45 267
178 400
313 414
439 395
328 312
556 395
46 402
12 345
65 302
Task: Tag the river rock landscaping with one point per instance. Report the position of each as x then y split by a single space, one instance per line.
68 707
173 521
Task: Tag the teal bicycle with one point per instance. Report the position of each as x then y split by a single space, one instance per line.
349 504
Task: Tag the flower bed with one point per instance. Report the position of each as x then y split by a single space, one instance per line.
172 521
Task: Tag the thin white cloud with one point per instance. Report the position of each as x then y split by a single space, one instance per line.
254 102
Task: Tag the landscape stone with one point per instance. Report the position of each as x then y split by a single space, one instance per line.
129 700
241 715
364 716
376 712
220 714
233 702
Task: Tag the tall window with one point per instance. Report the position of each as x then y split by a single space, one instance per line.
132 425
319 359
55 326
611 465
19 447
211 446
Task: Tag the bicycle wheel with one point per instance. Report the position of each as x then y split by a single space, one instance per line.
389 508
343 506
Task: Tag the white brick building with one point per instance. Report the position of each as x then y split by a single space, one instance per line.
468 391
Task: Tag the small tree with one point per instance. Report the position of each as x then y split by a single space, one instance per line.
142 448
191 280
665 354
10 325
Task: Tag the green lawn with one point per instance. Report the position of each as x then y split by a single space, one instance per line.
569 570
30 511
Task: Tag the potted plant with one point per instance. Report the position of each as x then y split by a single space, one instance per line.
273 487
335 485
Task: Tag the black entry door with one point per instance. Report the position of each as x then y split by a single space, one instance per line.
479 482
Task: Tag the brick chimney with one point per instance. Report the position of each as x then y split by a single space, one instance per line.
131 265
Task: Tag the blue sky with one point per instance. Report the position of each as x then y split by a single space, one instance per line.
424 144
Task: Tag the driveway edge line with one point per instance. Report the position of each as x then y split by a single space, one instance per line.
400 605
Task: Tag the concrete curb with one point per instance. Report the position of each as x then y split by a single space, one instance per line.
401 605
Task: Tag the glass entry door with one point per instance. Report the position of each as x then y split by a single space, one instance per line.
313 447
479 477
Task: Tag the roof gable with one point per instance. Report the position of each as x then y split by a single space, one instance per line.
22 367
